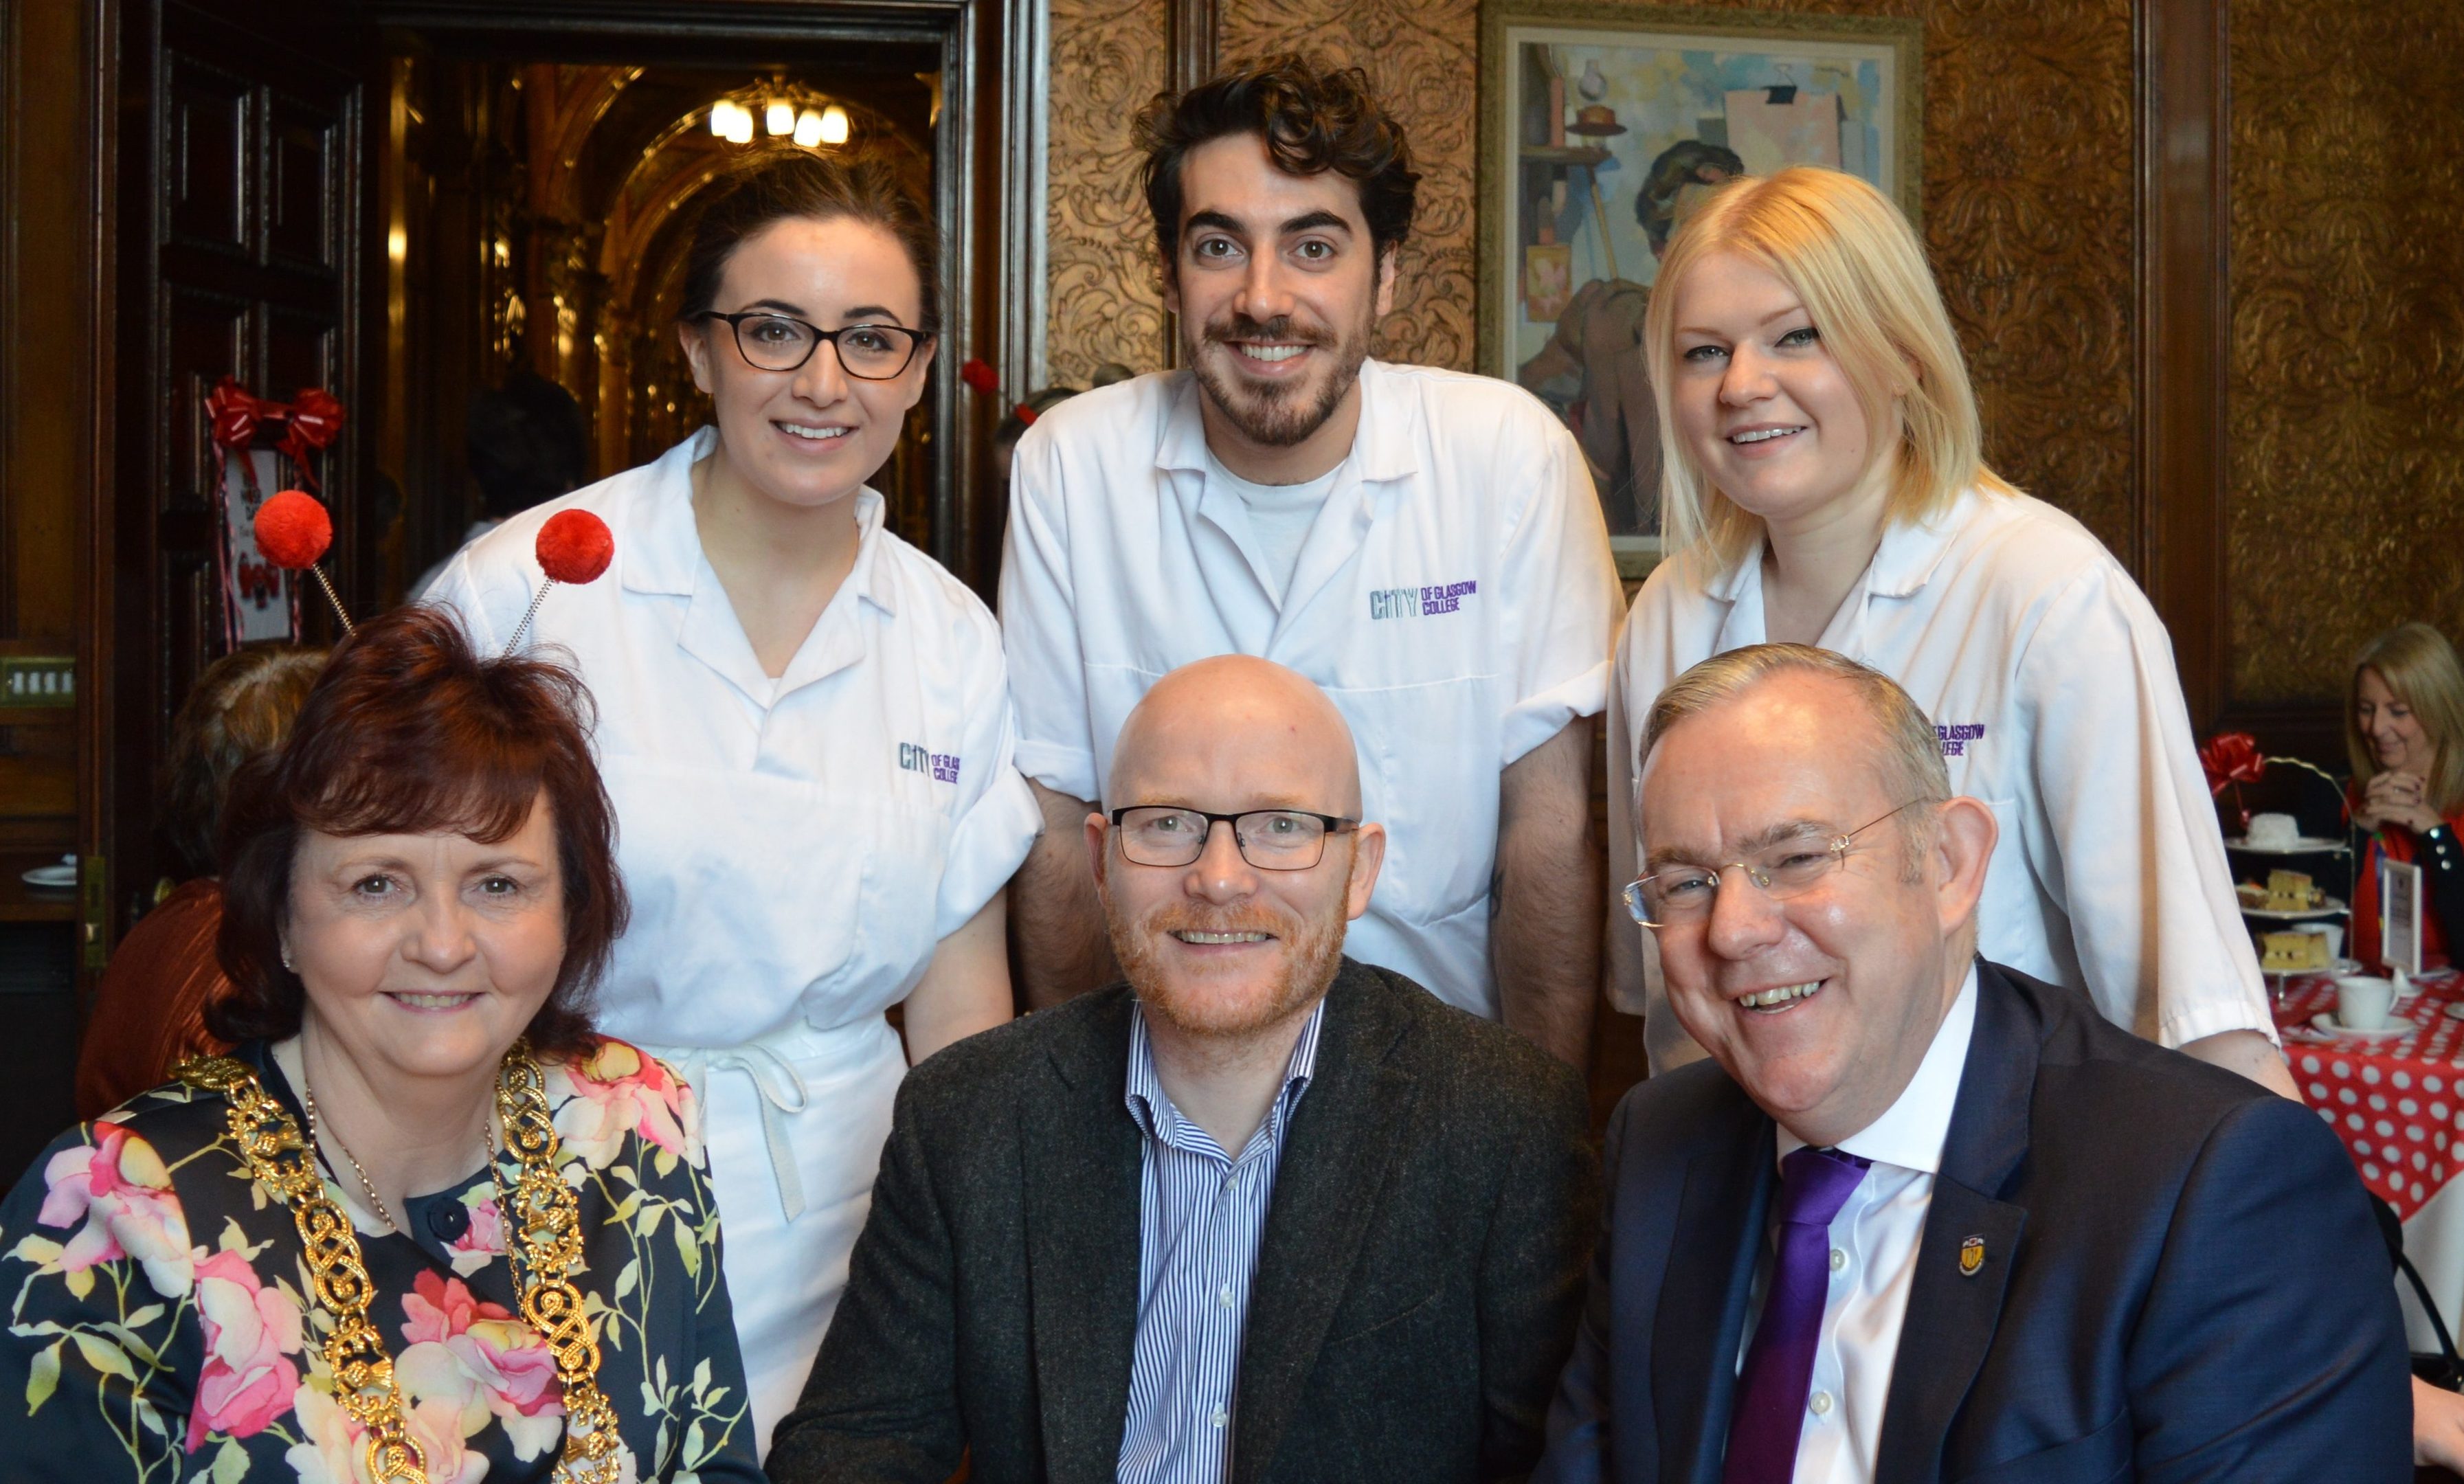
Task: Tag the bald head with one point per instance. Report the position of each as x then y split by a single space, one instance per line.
1236 733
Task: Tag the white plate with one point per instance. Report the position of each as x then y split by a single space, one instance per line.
2331 907
62 876
2324 1023
2302 845
2335 965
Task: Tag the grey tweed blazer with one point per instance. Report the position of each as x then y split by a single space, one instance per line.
1417 1282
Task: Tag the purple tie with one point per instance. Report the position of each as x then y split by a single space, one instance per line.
1770 1412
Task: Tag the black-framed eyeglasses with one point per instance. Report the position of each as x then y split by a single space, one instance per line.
1683 895
1271 840
782 342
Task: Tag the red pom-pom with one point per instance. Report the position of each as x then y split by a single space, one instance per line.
292 529
1025 414
575 546
979 376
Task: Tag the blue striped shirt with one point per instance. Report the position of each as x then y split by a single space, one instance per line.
1201 1215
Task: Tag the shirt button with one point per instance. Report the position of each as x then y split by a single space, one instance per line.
1221 1417
1224 1298
1820 1401
449 1220
1838 1260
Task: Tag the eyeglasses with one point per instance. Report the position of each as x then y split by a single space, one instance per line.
1682 896
1271 840
782 342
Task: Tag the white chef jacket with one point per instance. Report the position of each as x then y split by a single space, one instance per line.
2050 682
1873 1242
794 850
1455 597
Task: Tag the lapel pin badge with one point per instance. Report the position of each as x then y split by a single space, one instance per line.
1971 1256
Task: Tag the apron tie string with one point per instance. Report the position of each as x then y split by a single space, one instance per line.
781 1091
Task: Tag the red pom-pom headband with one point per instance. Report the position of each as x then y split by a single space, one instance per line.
293 531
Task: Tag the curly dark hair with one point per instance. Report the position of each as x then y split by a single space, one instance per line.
408 730
1313 120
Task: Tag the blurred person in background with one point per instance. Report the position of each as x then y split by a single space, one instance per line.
2404 726
527 444
149 1006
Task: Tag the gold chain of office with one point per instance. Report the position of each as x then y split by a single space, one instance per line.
541 1212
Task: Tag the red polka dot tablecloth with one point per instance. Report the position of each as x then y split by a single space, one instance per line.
2397 1102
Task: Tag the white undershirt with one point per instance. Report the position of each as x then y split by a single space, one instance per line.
1873 1242
1280 517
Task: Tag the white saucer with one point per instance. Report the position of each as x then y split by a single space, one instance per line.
2333 968
2331 907
60 877
2324 1023
2303 845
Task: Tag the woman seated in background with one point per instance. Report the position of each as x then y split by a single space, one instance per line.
148 1010
2403 724
420 893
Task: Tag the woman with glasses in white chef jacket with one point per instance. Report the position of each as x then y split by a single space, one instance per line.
1823 483
804 724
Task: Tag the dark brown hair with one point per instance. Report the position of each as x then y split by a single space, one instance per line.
1312 121
409 732
243 705
792 184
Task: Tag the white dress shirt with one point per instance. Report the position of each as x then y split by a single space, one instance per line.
1454 596
1873 1242
2050 682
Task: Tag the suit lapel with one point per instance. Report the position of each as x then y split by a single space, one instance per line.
1703 1296
1971 1238
1081 1161
1329 1182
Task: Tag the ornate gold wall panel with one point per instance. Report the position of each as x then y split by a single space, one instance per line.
1107 59
2028 199
2344 399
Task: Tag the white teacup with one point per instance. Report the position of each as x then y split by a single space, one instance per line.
2362 1001
2333 932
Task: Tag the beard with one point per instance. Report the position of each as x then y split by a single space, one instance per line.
1273 414
1207 1005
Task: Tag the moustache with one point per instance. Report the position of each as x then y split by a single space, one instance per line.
1283 330
1181 918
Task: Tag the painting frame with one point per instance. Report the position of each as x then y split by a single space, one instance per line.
1509 277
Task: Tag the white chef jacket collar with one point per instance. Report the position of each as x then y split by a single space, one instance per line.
1903 563
662 552
1910 1132
1385 448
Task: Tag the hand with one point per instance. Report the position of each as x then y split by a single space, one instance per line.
2396 798
2437 1428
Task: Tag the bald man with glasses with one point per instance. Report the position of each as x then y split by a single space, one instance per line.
1920 1217
1259 1213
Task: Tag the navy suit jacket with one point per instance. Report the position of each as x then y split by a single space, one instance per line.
2182 1279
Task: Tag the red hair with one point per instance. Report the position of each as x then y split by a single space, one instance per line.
409 732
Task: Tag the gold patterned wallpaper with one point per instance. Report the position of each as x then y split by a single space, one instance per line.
2344 399
2027 208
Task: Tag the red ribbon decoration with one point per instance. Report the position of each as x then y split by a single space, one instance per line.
313 419
2232 758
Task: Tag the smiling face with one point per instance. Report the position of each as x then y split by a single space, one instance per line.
1821 1005
425 955
2399 743
813 435
1277 285
1759 403
1220 949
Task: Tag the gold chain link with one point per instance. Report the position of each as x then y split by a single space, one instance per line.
543 1214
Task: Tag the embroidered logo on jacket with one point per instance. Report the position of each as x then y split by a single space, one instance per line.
1956 736
942 766
1420 602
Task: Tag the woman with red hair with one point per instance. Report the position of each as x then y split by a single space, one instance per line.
422 1223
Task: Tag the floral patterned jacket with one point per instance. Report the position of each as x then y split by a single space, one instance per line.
156 1327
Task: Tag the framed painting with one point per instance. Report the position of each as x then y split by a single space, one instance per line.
1602 126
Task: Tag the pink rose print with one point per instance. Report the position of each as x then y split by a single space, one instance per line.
618 1091
245 1382
119 1188
482 1241
506 1360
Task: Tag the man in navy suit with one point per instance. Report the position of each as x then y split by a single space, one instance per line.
1920 1217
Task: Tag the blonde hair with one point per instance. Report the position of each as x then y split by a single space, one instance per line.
1854 263
2419 665
1910 760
